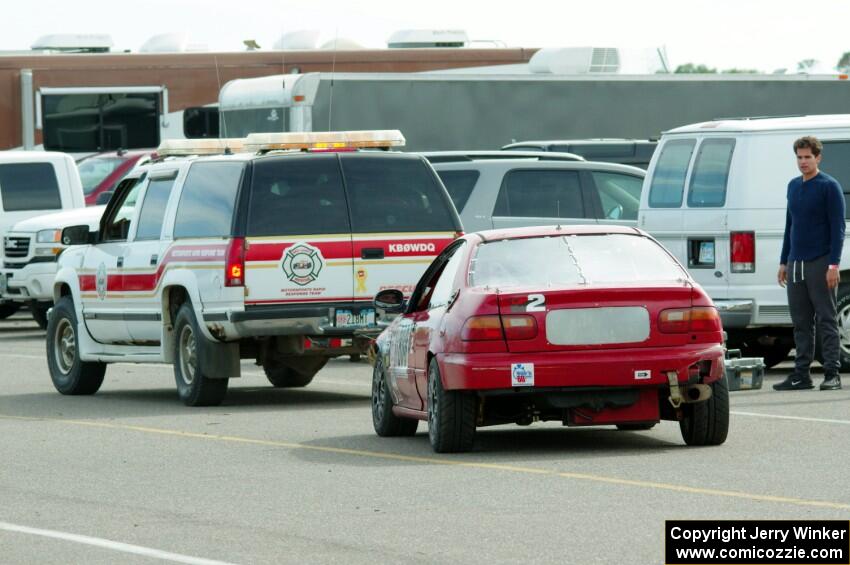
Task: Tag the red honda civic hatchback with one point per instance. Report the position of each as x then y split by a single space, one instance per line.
587 325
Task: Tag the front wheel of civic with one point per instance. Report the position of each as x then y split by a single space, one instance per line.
386 423
193 387
69 374
451 415
707 422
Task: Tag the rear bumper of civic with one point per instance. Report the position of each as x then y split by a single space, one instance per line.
609 368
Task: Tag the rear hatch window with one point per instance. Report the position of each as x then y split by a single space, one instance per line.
29 186
395 194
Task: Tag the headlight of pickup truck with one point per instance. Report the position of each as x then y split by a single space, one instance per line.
48 236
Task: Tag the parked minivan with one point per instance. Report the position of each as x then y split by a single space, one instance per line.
518 191
715 196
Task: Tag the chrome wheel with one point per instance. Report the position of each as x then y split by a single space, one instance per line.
844 329
65 346
188 357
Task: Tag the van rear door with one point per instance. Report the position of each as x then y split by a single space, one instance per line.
401 218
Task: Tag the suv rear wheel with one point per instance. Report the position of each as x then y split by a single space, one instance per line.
193 387
69 374
451 415
707 422
293 373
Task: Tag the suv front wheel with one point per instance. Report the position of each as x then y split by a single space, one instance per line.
69 374
193 387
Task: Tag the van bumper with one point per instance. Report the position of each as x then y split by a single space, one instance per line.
735 313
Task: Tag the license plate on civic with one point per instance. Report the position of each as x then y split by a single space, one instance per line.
347 318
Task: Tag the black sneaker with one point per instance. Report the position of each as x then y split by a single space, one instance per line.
793 382
831 382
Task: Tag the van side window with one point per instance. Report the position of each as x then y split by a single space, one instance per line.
152 214
206 203
540 194
836 163
29 186
711 173
668 180
460 185
294 195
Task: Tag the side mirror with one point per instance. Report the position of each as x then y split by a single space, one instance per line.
77 235
390 300
104 197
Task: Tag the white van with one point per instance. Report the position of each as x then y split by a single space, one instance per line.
715 196
33 183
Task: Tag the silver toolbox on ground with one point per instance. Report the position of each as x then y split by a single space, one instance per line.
743 373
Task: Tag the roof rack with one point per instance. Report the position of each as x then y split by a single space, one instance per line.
327 140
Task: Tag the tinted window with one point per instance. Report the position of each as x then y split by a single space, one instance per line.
668 181
619 195
460 185
152 213
118 226
100 122
581 260
206 203
29 186
297 195
711 172
540 194
395 194
835 161
94 171
445 284
200 122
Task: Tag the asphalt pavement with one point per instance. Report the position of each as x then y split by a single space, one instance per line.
130 475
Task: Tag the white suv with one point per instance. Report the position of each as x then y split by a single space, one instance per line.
273 255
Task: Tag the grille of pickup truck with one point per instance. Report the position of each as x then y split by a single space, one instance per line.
16 247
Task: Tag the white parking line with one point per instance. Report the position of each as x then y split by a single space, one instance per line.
113 545
799 418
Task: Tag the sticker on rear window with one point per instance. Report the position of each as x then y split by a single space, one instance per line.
522 374
641 375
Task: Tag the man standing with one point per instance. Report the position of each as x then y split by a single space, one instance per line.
814 235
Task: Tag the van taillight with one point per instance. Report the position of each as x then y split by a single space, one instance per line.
234 270
685 320
742 249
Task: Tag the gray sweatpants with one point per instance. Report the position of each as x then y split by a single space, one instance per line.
809 299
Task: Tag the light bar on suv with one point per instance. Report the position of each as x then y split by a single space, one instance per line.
324 140
175 147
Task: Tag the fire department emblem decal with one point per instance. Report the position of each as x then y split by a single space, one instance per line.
302 263
100 282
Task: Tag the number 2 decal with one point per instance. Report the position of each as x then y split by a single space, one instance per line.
536 303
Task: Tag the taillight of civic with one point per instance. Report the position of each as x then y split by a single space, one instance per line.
234 269
494 327
742 250
687 320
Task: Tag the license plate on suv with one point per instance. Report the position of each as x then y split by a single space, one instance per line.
347 318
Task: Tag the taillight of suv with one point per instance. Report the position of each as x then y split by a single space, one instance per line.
234 270
742 250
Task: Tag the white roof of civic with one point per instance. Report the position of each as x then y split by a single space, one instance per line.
825 121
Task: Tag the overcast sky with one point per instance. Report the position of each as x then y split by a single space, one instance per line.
760 34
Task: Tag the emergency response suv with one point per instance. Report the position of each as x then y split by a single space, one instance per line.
269 248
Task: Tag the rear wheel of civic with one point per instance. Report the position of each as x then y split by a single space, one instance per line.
707 423
292 374
451 415
386 423
7 309
39 314
193 387
69 374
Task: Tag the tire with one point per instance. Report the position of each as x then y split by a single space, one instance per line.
843 308
636 427
707 423
69 374
39 314
7 309
282 375
193 387
386 423
773 354
451 415
354 358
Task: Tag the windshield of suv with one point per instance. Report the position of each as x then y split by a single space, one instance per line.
95 169
572 260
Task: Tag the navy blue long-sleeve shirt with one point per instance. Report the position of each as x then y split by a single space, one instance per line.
814 222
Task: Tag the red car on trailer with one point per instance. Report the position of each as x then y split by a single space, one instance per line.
587 325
